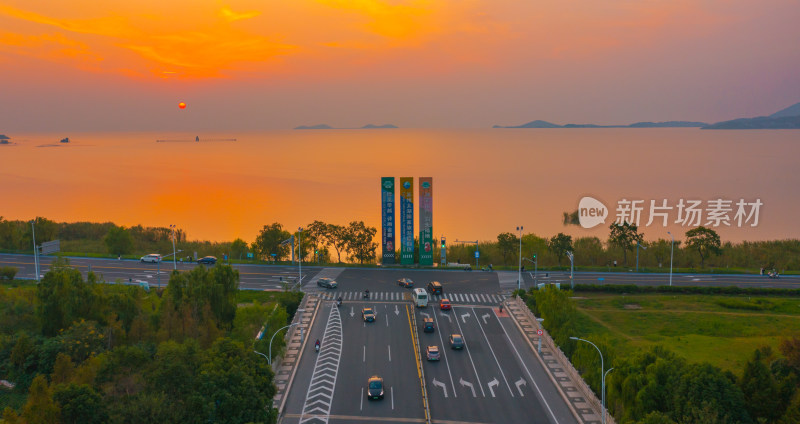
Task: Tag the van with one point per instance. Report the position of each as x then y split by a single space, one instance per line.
420 298
435 287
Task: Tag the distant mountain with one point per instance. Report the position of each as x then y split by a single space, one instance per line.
793 110
760 123
668 124
314 127
377 127
532 124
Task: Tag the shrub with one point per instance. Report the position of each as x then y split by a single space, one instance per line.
8 272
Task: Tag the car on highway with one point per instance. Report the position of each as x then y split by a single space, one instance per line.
375 388
368 315
153 257
405 282
427 325
207 260
445 305
433 353
456 341
328 283
435 287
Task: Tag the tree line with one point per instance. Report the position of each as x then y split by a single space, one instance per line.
655 386
82 351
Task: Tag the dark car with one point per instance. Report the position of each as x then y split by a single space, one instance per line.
456 341
405 282
433 353
435 287
327 283
368 314
208 260
375 388
427 325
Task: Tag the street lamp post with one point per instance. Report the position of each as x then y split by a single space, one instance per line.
671 250
300 255
269 358
637 254
174 252
603 379
158 270
35 252
519 275
571 257
540 337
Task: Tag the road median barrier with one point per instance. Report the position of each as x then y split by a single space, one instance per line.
412 322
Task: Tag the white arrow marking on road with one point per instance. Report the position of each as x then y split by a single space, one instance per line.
468 384
446 316
396 311
520 383
425 314
352 313
442 385
485 317
464 317
493 383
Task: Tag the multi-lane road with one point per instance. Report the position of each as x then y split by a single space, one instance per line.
496 378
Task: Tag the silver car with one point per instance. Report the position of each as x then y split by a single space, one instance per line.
327 283
153 257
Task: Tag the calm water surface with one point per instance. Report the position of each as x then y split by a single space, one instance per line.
485 181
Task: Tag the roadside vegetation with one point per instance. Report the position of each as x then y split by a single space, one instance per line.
81 350
682 358
355 244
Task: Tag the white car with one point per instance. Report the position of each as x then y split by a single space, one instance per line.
153 257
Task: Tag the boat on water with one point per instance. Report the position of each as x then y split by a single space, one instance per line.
65 140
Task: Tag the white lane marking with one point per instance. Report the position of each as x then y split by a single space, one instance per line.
492 350
530 376
365 354
317 405
438 383
471 387
466 347
362 399
519 383
390 352
493 383
443 351
392 391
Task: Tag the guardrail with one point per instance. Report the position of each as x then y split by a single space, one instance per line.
566 365
412 320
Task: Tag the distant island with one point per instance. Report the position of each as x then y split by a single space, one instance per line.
784 119
4 139
328 127
668 124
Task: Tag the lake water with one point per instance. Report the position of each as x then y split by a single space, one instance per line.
485 181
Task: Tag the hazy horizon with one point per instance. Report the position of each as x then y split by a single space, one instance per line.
259 65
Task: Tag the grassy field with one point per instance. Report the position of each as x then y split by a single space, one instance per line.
722 330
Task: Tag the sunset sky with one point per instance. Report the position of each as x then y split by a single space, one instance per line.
272 64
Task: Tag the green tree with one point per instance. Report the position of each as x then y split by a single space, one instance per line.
269 241
705 241
338 238
625 236
359 241
507 243
239 249
760 389
792 414
589 250
662 249
64 298
656 418
119 240
560 244
80 404
705 395
40 407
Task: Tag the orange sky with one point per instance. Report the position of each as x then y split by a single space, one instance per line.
89 65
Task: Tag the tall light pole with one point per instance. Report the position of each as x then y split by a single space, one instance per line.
35 252
269 358
174 260
300 256
602 373
637 254
671 250
519 275
571 257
